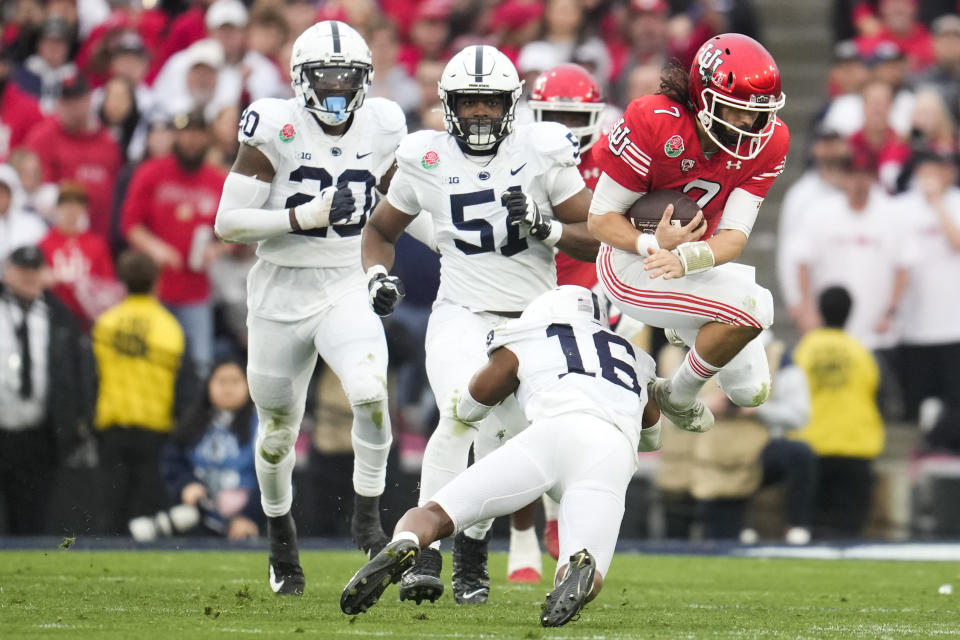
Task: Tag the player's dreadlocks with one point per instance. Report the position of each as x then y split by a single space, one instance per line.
675 83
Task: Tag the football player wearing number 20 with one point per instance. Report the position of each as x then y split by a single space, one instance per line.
303 188
712 133
501 198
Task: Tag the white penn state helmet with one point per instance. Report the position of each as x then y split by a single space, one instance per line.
569 304
479 69
331 69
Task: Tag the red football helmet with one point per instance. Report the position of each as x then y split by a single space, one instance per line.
734 70
569 88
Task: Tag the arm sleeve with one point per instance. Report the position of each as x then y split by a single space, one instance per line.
610 196
741 211
240 217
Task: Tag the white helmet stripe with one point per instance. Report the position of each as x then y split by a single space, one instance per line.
335 32
478 67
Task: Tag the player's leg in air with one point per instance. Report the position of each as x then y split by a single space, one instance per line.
350 339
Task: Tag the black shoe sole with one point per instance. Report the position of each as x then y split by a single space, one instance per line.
428 588
566 601
386 568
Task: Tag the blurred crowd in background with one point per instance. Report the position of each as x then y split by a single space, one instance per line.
118 123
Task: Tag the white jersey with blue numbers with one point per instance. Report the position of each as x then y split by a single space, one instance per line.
306 160
577 368
484 263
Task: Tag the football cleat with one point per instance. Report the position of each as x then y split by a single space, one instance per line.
365 527
285 573
386 568
422 581
551 538
286 579
568 598
697 417
471 581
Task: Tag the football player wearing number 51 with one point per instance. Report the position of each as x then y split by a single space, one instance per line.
502 198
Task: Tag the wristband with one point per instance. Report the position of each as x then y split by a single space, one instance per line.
556 232
695 256
376 270
469 410
646 241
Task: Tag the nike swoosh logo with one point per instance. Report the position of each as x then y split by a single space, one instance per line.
470 594
359 156
274 584
514 172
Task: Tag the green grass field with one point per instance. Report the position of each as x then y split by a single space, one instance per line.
82 594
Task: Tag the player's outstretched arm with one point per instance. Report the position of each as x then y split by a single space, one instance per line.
576 241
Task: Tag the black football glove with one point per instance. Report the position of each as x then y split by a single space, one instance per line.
522 210
343 204
384 292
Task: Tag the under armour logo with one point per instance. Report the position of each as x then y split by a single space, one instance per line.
733 165
686 164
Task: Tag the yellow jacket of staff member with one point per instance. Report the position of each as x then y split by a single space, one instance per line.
843 378
138 346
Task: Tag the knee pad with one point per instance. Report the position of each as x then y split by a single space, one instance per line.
760 306
365 388
275 440
749 393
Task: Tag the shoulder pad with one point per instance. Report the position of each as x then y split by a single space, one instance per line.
414 147
509 332
387 115
262 123
551 142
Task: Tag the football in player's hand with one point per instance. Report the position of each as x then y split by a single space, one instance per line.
648 210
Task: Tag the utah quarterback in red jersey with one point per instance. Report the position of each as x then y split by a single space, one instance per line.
568 94
712 133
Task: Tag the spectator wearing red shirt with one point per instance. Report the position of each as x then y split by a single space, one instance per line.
19 111
168 214
429 35
73 147
899 25
79 259
185 29
877 139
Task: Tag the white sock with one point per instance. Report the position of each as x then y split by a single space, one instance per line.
551 508
690 378
369 466
406 535
524 551
478 530
276 483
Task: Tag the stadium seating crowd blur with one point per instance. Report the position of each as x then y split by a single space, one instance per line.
118 124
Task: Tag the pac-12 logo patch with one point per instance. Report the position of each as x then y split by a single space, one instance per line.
287 133
430 160
674 146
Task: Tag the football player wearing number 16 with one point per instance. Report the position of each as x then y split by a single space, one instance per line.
501 198
303 187
714 135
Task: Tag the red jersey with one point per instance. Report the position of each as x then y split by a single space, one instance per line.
19 111
178 207
74 262
570 270
655 146
91 158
